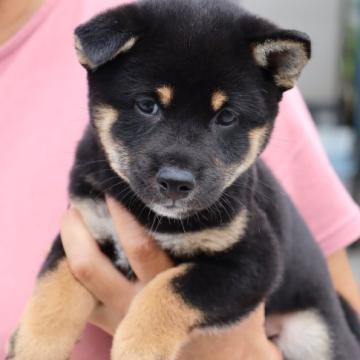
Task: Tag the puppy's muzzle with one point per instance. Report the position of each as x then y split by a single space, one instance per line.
175 183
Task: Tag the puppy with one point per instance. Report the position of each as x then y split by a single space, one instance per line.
183 96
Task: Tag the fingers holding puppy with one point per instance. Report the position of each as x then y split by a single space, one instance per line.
89 265
96 272
145 256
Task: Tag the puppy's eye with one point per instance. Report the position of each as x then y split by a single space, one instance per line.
226 118
147 106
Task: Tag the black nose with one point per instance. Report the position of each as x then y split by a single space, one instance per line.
175 183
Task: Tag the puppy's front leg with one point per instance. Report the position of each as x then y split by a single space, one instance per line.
157 323
201 295
53 319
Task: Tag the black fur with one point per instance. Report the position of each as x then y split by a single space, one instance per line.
56 254
352 319
199 47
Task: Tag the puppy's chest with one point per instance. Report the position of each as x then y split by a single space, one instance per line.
184 244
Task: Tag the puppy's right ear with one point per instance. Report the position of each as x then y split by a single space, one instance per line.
107 35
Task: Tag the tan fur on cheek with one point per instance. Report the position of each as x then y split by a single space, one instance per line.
54 317
166 94
105 117
257 138
218 100
157 323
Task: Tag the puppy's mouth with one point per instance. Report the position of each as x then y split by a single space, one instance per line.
174 210
173 197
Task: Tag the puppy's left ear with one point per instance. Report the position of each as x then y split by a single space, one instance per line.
284 53
107 35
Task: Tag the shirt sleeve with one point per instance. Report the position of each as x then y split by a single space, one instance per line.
298 160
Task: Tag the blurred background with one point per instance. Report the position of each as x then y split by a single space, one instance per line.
331 83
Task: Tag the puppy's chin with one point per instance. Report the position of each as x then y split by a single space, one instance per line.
169 212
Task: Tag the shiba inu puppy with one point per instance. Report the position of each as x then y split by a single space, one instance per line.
183 96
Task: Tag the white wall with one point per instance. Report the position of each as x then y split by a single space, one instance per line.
321 19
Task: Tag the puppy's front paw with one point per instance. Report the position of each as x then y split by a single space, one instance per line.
22 346
157 323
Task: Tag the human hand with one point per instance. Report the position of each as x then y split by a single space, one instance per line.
115 293
95 271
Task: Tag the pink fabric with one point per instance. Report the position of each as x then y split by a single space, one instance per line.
298 160
43 111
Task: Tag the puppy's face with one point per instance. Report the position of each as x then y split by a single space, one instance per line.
183 95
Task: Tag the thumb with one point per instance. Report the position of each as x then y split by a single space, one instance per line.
144 254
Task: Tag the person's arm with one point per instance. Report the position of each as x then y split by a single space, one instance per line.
343 278
115 293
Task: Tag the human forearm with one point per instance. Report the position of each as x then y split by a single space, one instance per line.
343 278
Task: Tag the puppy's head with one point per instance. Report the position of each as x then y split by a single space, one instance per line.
183 94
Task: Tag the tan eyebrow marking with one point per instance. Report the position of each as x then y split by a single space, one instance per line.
166 94
218 99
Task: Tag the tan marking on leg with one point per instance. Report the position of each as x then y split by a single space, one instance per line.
157 323
54 318
209 241
218 100
166 94
257 138
105 116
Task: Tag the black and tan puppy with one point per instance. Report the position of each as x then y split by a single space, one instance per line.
183 97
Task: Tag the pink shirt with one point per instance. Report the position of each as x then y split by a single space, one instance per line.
43 110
